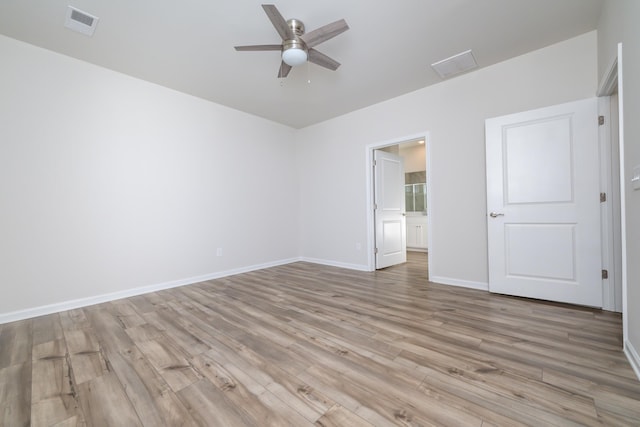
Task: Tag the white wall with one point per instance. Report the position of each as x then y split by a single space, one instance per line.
619 23
333 203
108 183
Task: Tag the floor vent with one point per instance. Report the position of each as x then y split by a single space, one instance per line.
80 21
455 64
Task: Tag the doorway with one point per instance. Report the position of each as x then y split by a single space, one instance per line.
414 151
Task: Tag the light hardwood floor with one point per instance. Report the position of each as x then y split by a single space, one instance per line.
304 344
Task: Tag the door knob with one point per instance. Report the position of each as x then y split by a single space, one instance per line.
495 215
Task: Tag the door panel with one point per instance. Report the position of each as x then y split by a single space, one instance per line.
543 202
534 147
556 262
391 239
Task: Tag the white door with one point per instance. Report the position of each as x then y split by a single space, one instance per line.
389 209
543 204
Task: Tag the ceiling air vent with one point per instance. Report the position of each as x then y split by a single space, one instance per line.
455 64
80 21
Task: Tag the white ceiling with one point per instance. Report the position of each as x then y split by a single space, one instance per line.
188 45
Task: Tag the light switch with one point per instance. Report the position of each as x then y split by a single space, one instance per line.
635 179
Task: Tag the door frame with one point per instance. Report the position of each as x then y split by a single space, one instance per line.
371 224
612 81
610 210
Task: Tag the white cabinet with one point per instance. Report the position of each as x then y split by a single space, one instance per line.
417 232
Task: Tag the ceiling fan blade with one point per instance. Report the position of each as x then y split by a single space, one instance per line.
278 21
323 60
324 33
284 70
258 47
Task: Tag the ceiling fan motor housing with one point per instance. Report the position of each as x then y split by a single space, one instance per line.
294 50
297 26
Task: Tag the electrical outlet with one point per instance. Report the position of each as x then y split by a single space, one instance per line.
219 252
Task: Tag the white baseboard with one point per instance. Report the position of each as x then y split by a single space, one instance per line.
634 358
98 299
461 283
330 263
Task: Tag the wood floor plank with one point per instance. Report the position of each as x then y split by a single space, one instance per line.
343 397
254 399
16 340
303 344
396 398
50 371
152 398
338 416
599 374
104 403
47 328
515 405
142 303
126 313
613 403
582 385
74 319
143 332
15 397
166 319
447 399
299 396
392 392
111 334
54 392
465 356
86 355
171 362
209 406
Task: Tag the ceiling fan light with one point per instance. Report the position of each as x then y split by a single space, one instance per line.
294 56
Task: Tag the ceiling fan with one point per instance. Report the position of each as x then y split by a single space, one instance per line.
297 47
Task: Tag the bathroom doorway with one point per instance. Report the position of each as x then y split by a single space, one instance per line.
414 153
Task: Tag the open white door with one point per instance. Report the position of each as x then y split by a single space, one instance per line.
389 209
543 204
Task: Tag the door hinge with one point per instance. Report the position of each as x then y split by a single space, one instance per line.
605 274
375 206
600 120
375 162
375 251
603 197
